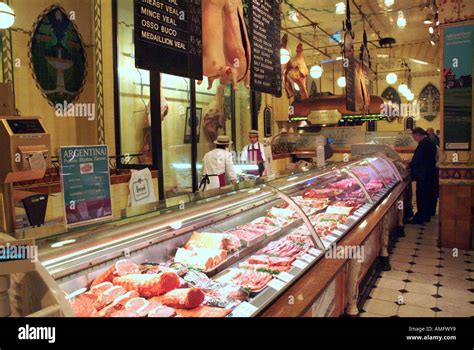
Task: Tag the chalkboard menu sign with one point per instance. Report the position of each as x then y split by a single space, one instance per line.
265 27
168 37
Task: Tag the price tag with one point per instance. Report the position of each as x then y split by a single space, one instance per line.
285 277
300 264
276 284
337 233
309 258
343 227
244 310
315 252
331 238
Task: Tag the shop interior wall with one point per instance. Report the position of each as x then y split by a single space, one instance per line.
28 97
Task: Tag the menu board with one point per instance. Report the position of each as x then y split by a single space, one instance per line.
168 37
264 28
85 181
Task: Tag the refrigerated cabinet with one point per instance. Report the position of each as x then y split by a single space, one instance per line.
321 205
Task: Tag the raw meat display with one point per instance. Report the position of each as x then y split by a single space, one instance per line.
247 235
201 258
267 263
204 311
252 280
221 241
83 305
324 223
149 285
284 248
121 268
188 298
216 293
318 204
322 193
162 312
374 185
346 184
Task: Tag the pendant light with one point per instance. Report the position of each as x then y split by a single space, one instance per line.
316 72
7 16
401 21
391 78
284 56
389 3
403 88
340 8
341 82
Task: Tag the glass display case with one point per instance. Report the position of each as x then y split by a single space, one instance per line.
231 255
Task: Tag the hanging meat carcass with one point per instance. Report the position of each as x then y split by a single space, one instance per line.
296 73
226 45
214 117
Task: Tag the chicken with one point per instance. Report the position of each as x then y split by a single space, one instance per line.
296 73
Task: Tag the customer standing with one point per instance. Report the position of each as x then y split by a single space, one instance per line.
433 137
218 166
423 171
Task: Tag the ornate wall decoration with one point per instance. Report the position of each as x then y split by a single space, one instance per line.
57 56
429 102
391 95
99 72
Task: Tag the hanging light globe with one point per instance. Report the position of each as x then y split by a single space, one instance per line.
284 56
341 82
7 16
316 72
391 78
403 88
410 96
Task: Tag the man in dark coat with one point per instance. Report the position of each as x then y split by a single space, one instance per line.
423 171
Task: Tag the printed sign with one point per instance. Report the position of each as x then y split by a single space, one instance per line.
458 61
85 181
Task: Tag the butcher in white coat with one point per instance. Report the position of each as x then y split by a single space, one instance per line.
254 153
218 166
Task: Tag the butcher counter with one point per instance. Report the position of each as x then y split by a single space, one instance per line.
304 245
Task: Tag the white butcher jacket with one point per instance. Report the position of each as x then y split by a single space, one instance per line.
245 152
218 162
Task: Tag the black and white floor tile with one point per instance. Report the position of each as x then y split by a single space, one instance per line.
425 281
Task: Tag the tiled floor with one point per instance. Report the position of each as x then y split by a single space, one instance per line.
425 281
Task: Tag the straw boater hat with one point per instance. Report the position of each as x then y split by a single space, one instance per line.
223 140
253 132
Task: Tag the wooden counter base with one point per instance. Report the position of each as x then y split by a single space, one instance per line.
332 284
